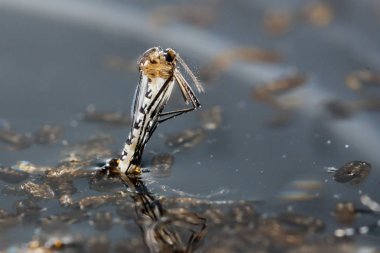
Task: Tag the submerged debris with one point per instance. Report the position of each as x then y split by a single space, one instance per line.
354 172
7 221
186 139
345 212
98 244
161 165
211 118
48 134
102 220
114 118
339 109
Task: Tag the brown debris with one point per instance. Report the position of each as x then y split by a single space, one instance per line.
278 22
266 93
247 54
354 172
38 190
318 14
12 176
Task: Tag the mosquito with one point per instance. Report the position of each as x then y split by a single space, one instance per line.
159 72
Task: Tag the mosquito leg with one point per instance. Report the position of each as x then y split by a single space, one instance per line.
173 114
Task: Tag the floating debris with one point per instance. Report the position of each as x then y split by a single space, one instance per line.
162 164
12 176
278 22
16 141
29 167
99 200
186 139
70 169
247 54
302 223
93 148
355 79
48 134
66 200
62 187
319 14
37 190
266 93
114 118
354 172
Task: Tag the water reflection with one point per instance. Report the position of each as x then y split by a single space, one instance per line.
164 230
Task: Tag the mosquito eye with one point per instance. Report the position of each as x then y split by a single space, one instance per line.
169 56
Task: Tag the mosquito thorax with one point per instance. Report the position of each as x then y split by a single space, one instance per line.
158 63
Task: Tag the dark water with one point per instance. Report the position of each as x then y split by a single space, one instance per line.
245 177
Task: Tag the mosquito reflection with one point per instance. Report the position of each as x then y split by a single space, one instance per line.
164 230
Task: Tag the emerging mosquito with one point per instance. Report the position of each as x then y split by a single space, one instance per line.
158 75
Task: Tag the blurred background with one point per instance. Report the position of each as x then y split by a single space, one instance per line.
292 93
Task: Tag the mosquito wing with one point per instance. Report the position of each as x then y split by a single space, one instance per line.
139 96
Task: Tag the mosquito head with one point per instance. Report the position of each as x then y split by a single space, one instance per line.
158 63
170 55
